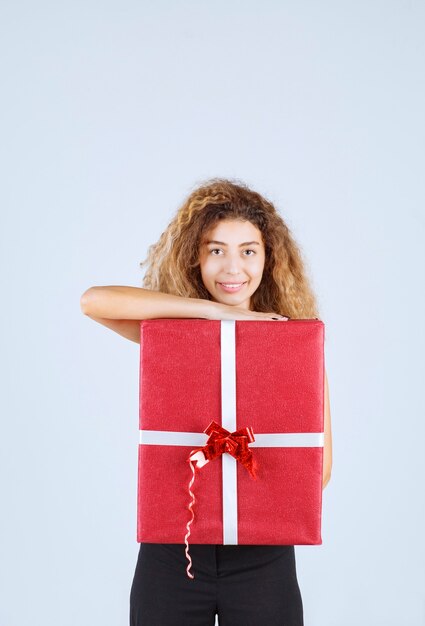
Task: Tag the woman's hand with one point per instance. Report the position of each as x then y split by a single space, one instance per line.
220 311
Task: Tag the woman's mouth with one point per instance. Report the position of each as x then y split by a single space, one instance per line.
231 287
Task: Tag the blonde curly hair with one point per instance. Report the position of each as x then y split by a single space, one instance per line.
173 262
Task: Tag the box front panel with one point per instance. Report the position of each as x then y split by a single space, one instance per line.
279 384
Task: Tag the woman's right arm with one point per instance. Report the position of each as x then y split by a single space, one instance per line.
121 308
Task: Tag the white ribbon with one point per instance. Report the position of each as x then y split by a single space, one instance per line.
228 413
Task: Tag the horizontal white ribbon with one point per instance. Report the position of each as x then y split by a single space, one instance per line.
262 440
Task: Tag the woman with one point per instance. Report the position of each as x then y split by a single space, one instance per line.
226 254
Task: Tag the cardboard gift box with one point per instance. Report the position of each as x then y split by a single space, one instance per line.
262 378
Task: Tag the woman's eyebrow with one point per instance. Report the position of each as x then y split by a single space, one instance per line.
246 243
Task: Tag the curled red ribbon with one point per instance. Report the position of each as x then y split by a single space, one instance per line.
220 440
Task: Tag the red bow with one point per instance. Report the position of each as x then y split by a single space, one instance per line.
221 440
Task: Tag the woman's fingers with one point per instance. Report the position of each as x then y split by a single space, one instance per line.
270 316
258 316
237 313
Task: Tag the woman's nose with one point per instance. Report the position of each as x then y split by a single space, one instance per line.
232 265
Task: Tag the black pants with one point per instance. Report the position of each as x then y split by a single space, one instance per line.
245 585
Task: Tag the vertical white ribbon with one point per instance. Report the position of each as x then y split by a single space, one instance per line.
228 421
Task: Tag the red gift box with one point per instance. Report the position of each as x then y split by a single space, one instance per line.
263 376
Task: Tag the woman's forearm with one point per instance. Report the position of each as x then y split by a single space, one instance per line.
137 303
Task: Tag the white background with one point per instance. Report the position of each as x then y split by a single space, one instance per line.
111 112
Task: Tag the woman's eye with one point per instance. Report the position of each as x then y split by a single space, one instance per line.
219 250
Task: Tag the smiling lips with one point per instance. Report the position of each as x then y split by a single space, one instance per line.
231 287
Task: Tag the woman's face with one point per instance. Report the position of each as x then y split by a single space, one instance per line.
232 253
